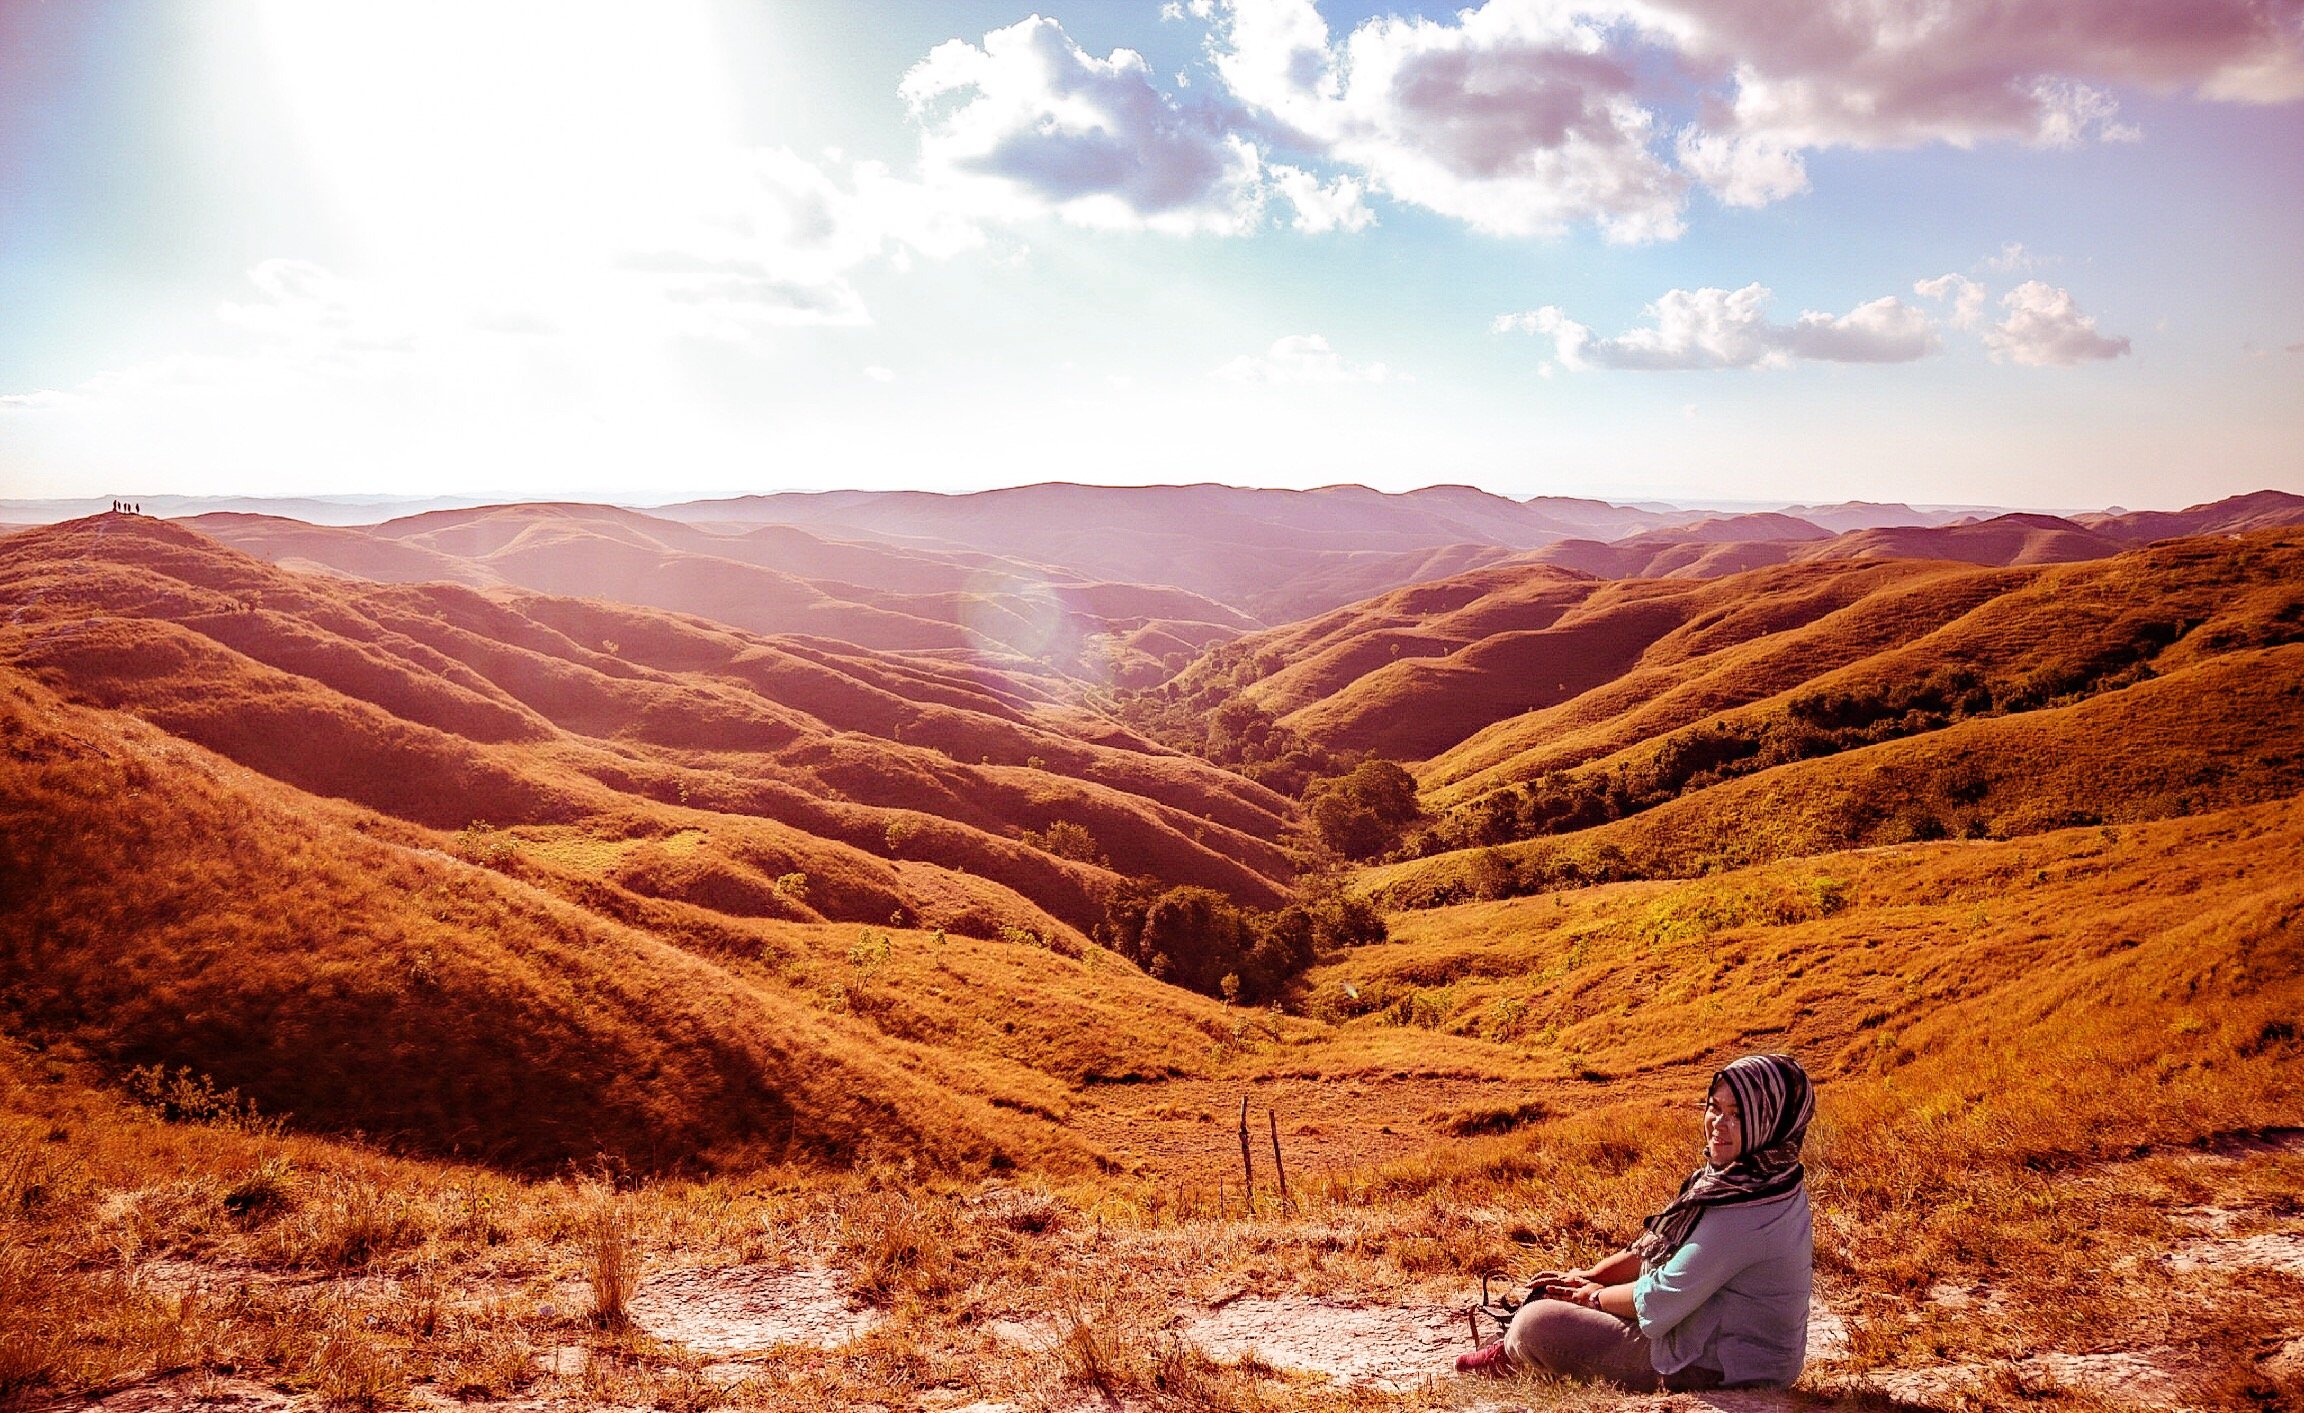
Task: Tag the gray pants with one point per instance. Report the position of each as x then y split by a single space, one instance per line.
1582 1343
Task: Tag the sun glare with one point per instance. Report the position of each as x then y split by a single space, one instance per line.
472 139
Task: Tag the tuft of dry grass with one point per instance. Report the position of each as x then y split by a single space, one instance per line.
609 1260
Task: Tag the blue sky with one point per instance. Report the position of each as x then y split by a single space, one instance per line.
2032 252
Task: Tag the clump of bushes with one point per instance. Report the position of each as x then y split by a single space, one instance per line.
1201 940
1066 839
1203 712
1362 814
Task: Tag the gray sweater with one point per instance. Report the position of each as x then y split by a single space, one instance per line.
1734 1297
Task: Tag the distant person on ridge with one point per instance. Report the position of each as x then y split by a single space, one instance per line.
1715 1291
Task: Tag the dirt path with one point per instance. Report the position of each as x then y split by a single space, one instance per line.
736 1310
1387 1347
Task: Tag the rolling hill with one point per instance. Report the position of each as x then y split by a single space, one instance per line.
1413 673
361 974
769 579
2234 515
1273 554
1716 548
898 785
521 902
1511 672
1984 703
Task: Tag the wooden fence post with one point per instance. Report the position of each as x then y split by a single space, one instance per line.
1278 1167
1247 1166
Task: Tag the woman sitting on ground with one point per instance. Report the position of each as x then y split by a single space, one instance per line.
1715 1290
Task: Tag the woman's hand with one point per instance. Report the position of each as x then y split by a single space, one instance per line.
1576 1288
1543 1281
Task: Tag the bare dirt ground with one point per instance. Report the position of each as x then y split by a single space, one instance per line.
748 1309
1388 1347
732 1321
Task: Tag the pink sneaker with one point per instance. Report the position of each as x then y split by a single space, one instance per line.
1493 1361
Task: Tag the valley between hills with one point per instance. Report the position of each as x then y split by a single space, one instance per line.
1079 948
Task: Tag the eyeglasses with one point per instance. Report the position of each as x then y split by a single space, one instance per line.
1726 1116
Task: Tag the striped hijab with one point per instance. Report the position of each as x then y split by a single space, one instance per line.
1775 1100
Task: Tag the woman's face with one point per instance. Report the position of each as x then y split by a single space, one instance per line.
1723 1126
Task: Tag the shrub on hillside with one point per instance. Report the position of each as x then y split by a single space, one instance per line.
1363 814
1213 721
1201 940
1066 840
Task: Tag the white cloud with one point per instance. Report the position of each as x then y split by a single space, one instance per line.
770 239
1568 337
1886 73
2045 327
1966 295
1525 117
2012 257
2071 112
1029 123
1335 206
1717 328
1517 120
1742 171
1301 360
1887 330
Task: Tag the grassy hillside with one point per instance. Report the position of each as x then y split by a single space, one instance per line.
1507 674
2008 1036
2196 612
1860 961
167 906
2205 737
1415 672
478 888
444 706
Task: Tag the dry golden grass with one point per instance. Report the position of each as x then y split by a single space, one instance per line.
1511 672
442 706
568 1062
167 907
1520 644
2021 637
2032 1053
2209 734
1739 650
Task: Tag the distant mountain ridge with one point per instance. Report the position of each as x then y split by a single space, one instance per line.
1123 586
1274 554
1734 544
957 604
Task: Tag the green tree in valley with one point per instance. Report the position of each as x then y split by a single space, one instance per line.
1363 814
